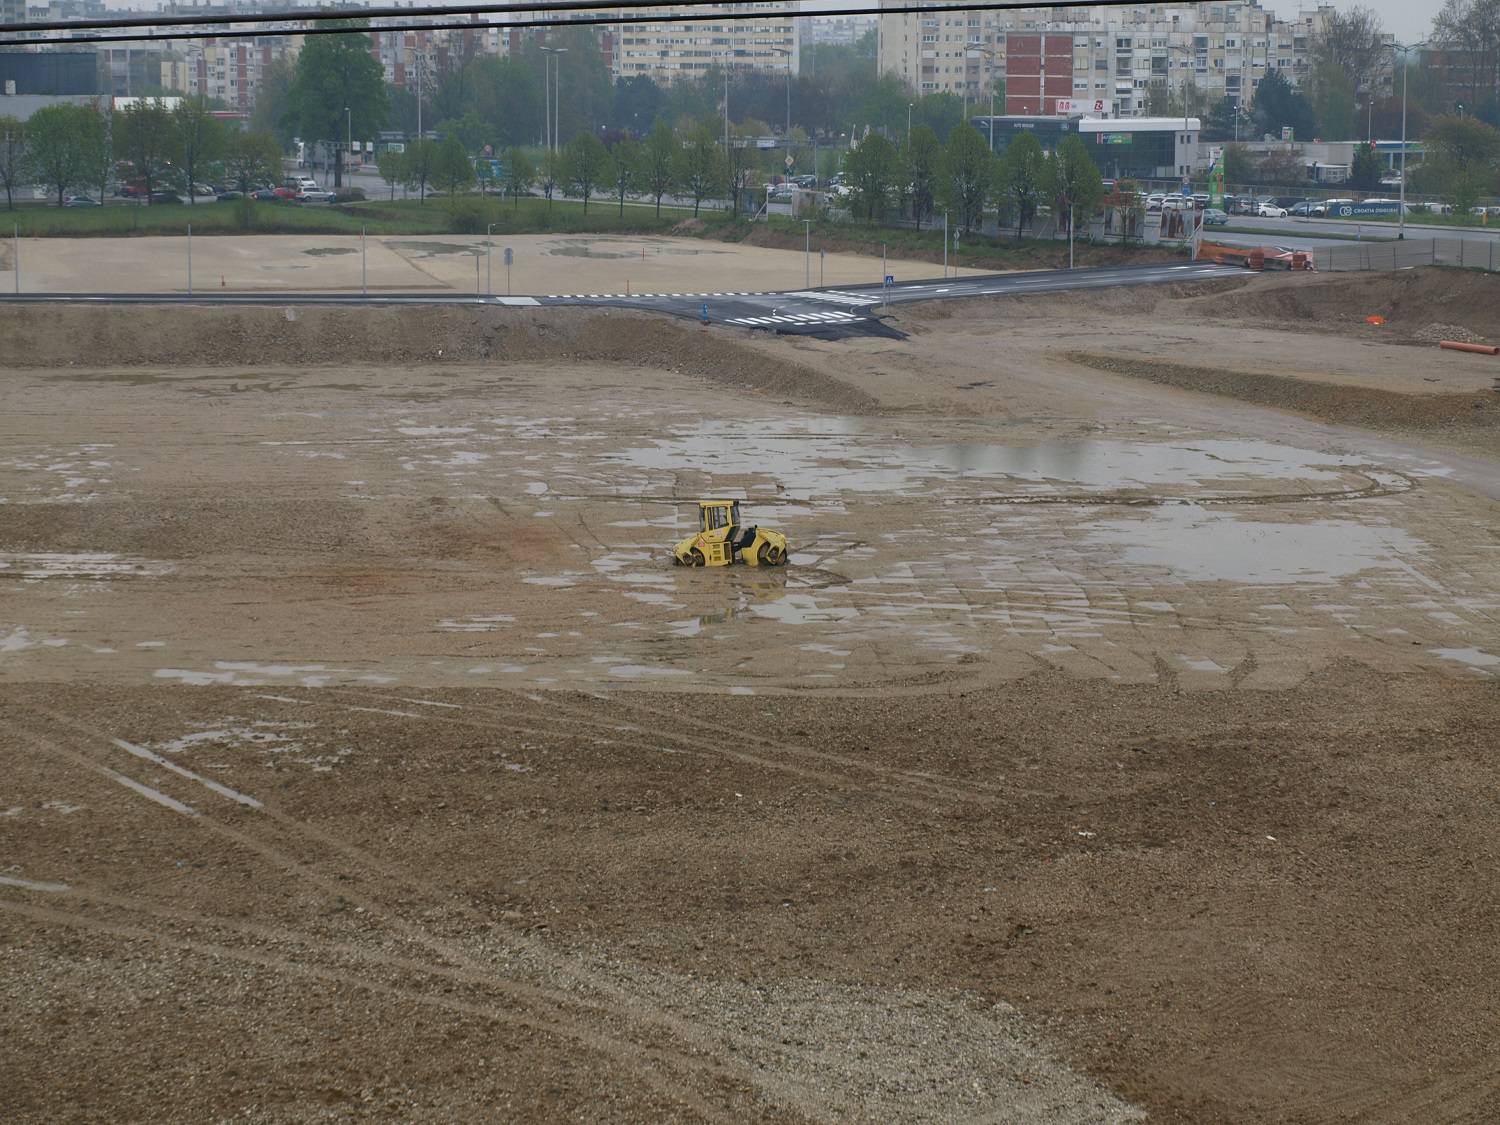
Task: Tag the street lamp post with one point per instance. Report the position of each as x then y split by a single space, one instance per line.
1406 50
554 126
909 107
349 138
989 54
807 253
488 246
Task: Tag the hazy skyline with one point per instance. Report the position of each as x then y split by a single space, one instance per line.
1409 21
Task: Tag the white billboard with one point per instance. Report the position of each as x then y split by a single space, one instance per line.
1080 107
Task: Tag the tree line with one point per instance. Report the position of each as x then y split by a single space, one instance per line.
73 148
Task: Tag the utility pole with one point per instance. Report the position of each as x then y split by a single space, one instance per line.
807 253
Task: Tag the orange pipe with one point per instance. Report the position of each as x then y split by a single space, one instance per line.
1480 349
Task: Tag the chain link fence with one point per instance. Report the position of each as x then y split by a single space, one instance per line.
1405 253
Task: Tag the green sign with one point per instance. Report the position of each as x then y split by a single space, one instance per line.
1115 138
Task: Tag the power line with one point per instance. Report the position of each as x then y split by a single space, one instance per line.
582 21
316 14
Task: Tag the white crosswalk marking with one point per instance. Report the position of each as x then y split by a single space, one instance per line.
836 297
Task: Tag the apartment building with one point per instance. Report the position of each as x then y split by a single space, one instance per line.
1113 56
837 31
229 71
666 52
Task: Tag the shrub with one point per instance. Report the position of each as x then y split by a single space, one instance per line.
469 214
350 195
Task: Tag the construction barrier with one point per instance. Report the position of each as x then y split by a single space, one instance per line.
1400 254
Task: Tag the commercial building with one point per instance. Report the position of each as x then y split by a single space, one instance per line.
666 52
48 72
1153 148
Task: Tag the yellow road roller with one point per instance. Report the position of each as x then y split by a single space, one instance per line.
723 541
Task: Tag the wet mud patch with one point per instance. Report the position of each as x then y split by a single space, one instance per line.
329 251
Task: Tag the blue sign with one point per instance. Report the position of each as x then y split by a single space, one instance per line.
890 279
1373 207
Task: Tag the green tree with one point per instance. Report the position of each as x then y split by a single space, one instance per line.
923 163
1364 175
200 139
1278 106
472 131
698 169
252 160
421 155
391 164
1332 95
585 166
659 162
144 137
520 174
625 166
968 172
1022 179
1286 166
873 169
1239 165
549 174
13 173
1463 154
272 101
452 167
338 88
1074 181
65 146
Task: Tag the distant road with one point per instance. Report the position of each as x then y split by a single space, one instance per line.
830 313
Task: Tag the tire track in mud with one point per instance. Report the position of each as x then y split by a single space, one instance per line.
639 1059
619 1005
710 1055
935 793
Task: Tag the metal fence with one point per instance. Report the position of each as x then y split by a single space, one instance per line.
1409 252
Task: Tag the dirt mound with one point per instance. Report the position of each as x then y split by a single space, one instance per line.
1353 406
1410 300
69 336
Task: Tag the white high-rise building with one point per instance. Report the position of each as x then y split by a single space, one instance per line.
666 52
1113 55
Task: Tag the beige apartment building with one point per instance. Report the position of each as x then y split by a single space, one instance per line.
666 52
1112 57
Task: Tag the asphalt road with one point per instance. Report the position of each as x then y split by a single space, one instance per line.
1305 233
827 313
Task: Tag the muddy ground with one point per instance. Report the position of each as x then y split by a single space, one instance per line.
1120 744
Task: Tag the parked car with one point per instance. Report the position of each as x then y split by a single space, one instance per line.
806 182
80 201
781 193
1243 206
288 194
1213 217
227 196
315 195
160 197
1302 209
1270 210
265 195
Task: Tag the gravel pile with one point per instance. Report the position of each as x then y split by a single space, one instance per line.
1437 333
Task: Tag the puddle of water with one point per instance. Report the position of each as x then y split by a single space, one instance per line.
1482 663
431 249
815 458
329 251
1196 544
800 609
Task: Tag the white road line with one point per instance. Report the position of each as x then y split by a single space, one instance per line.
29 885
516 300
149 793
168 764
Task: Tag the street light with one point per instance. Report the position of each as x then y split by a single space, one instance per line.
349 137
807 253
554 125
1405 70
909 106
988 53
